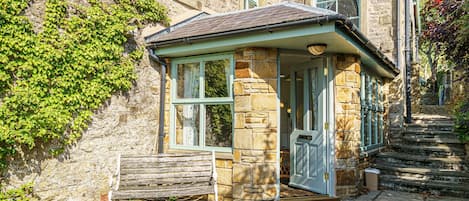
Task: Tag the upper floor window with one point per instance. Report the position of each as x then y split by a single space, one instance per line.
202 102
349 8
251 4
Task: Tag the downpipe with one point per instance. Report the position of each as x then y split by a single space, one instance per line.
163 64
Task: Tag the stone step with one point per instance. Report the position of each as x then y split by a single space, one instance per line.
434 151
440 188
445 130
412 160
431 139
433 126
423 116
426 174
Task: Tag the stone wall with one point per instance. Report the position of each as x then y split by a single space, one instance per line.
126 124
379 17
255 136
347 108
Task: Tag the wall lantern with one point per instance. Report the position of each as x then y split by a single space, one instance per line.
317 49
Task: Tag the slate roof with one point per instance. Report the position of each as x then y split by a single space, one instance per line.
272 17
242 20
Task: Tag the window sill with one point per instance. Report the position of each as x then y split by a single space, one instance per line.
218 155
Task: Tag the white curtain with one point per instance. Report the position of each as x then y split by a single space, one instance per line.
190 112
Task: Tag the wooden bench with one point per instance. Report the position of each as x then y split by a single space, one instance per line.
164 176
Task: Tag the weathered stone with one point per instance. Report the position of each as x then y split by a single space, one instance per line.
225 176
242 173
264 174
242 103
242 139
340 78
239 120
264 69
265 141
238 89
346 177
243 73
264 102
344 94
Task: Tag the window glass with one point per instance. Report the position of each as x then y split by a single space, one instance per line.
299 86
251 4
313 99
349 8
372 113
218 125
188 77
217 77
202 106
187 124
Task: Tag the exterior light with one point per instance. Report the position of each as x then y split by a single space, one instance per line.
317 49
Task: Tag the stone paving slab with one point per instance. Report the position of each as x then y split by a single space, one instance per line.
387 195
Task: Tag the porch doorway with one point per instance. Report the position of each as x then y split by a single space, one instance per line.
302 139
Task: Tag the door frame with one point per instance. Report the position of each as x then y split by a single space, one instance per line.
329 134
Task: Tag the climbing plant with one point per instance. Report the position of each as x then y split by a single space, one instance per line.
52 80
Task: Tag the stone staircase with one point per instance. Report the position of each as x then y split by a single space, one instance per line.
428 158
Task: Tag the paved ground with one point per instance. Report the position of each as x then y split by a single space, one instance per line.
387 195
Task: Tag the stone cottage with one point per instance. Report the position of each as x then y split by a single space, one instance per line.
285 93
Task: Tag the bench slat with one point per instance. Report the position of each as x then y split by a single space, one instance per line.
166 175
163 181
165 186
147 194
163 155
165 169
153 159
131 165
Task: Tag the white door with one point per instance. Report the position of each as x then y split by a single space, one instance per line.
307 140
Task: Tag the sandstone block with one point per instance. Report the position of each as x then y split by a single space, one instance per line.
264 174
340 78
242 139
239 120
264 102
225 176
236 155
264 69
243 73
346 177
242 173
238 88
265 141
242 103
344 94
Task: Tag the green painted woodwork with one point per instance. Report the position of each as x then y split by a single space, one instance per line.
201 101
372 109
230 43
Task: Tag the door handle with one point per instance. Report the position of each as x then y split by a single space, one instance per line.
305 137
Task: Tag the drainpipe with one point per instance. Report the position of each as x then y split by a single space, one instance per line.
398 33
163 64
407 62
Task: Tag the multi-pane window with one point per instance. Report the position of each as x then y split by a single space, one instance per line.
349 8
202 102
372 111
251 4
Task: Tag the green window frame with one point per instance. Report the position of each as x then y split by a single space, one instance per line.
372 112
196 102
342 7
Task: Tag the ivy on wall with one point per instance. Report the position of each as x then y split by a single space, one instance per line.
52 81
